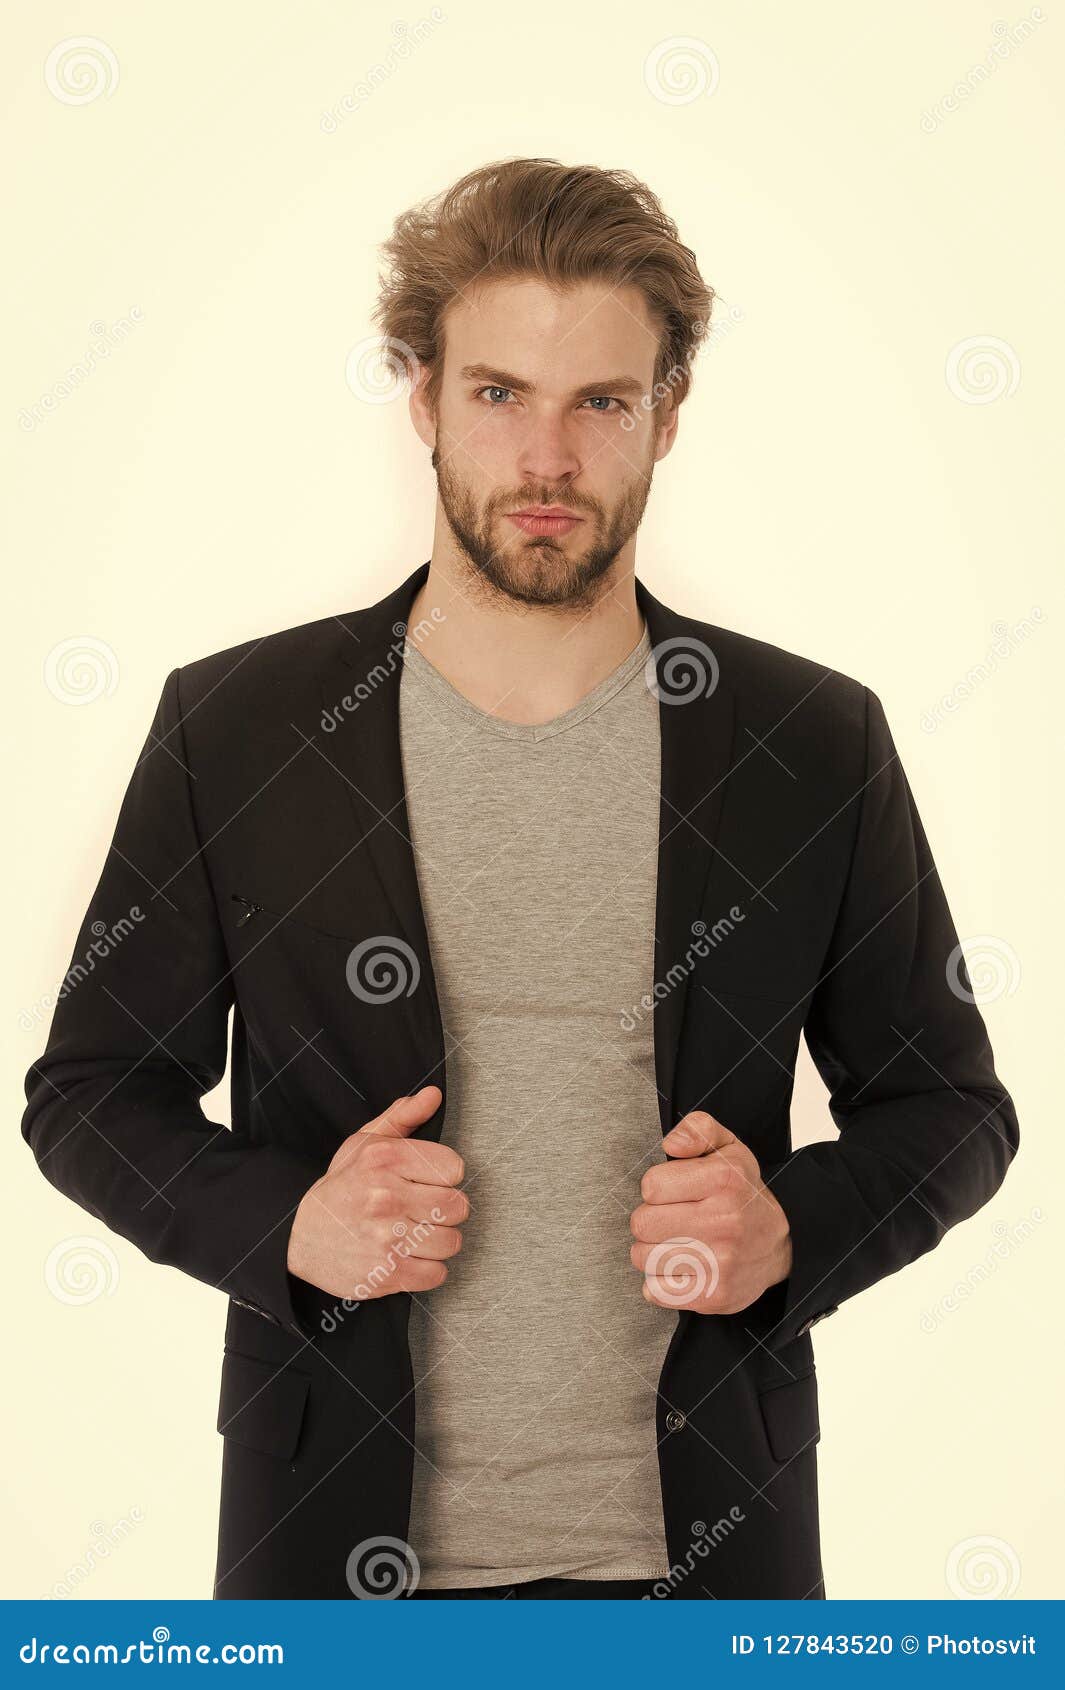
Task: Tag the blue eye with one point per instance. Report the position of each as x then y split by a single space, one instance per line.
599 401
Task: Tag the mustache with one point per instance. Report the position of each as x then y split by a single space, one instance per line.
521 501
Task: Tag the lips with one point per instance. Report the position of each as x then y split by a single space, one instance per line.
544 519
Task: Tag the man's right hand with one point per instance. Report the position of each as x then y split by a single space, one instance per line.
384 1217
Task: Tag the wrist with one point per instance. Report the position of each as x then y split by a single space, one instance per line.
781 1256
782 1260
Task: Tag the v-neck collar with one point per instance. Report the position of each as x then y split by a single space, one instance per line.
419 670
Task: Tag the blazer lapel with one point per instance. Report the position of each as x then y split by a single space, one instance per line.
360 695
696 713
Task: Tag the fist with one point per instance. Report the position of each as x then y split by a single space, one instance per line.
710 1235
385 1215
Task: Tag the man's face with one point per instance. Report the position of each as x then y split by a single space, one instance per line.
541 405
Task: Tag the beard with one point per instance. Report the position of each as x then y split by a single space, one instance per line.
538 569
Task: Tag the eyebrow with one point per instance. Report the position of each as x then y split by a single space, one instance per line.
589 390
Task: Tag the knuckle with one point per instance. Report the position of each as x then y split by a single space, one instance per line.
735 1177
722 1228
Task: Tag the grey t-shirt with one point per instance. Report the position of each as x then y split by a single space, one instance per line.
536 1363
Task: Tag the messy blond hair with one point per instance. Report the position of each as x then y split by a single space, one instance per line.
563 224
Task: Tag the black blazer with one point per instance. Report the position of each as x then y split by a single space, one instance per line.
264 834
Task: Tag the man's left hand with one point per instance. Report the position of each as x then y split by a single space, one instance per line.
710 1235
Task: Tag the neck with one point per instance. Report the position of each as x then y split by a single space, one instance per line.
525 663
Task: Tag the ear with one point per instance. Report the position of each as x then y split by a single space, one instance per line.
421 413
666 429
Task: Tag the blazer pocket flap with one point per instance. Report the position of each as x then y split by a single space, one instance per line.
790 1415
261 1405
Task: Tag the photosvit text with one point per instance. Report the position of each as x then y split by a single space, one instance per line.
872 1643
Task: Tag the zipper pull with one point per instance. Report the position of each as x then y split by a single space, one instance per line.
250 909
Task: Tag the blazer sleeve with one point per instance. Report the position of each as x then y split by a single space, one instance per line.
927 1130
138 1035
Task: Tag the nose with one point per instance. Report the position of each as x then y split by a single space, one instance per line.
548 451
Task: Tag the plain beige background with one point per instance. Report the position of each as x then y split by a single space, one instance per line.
867 472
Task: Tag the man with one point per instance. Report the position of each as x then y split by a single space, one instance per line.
523 888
